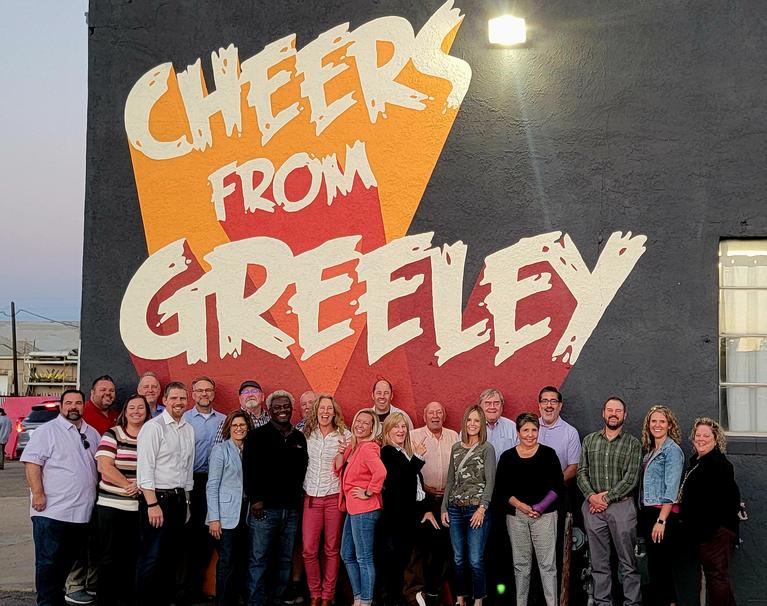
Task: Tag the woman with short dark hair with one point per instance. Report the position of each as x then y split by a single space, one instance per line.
227 508
528 485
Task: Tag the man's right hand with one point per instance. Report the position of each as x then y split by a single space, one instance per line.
39 501
597 502
155 516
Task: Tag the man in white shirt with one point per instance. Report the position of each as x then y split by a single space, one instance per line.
501 432
165 452
433 550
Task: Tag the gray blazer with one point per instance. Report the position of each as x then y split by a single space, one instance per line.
224 489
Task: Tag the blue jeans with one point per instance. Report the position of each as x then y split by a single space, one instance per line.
57 545
271 539
469 550
357 553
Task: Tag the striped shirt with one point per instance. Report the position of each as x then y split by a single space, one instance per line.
119 446
609 465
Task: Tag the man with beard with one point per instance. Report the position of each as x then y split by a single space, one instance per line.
205 421
165 454
607 473
61 473
97 412
149 387
383 392
274 462
251 401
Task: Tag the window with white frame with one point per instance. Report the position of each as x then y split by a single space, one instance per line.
743 335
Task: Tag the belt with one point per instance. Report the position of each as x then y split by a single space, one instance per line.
178 491
465 502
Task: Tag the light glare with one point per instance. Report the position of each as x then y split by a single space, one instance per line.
507 30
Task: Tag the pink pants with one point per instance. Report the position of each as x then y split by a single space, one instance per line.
322 513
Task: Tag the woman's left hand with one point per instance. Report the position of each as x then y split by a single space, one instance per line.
478 518
359 493
658 531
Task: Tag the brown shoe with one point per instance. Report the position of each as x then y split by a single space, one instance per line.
325 602
314 602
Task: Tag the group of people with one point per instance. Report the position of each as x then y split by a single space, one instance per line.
403 508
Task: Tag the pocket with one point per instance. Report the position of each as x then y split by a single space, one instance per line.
225 498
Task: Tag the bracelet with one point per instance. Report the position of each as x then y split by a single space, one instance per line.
660 521
155 504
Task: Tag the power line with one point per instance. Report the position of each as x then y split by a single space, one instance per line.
31 313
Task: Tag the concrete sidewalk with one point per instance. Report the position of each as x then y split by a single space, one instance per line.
17 556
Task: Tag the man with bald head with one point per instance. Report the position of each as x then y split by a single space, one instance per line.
433 549
305 403
383 393
149 387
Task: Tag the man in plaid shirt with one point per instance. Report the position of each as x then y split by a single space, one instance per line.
251 401
607 474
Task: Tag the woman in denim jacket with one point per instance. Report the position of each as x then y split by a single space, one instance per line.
663 464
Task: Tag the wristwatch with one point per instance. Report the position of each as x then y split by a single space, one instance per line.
661 522
368 494
155 504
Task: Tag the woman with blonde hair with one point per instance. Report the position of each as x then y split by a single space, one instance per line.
468 491
663 464
403 503
710 502
325 431
358 462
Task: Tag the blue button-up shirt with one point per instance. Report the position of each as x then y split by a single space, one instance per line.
205 428
502 435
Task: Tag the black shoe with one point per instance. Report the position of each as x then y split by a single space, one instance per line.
294 594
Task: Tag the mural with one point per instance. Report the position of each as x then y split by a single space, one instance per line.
276 210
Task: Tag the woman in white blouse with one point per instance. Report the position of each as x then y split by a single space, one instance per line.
326 435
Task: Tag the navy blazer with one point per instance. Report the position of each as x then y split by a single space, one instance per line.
224 489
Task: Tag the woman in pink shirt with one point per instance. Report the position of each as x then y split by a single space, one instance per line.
362 476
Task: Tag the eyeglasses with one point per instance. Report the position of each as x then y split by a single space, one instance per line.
549 401
85 442
203 390
250 392
239 426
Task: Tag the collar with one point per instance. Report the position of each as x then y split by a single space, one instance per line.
67 425
167 419
603 433
558 423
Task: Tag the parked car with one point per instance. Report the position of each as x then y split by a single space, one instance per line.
40 413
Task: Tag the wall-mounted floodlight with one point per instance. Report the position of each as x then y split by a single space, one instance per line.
507 31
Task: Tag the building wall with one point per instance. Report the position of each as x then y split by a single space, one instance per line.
568 196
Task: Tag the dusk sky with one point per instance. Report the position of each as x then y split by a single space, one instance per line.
44 44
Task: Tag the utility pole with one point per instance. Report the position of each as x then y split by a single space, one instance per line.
15 352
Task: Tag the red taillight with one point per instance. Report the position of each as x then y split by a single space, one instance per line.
20 425
51 405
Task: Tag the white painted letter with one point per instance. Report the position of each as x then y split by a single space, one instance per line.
447 296
506 290
255 72
296 161
378 85
201 105
593 291
311 290
310 61
356 163
139 339
141 99
376 268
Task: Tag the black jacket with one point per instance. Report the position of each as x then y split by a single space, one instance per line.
401 485
274 467
710 496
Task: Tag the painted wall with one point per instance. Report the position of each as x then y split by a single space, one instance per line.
316 194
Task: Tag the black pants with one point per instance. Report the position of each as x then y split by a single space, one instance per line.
118 546
232 565
661 590
396 535
159 549
715 555
199 542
